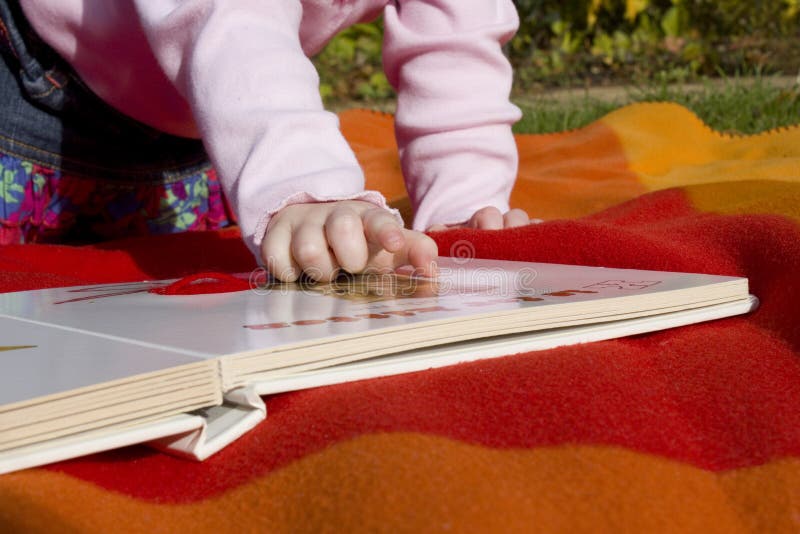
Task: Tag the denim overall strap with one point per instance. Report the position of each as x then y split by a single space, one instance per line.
42 83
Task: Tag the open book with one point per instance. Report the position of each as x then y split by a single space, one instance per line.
91 368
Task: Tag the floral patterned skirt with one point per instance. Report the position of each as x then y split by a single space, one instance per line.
44 204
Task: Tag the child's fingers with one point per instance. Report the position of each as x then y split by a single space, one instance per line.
488 218
515 217
310 251
345 233
418 251
382 229
277 255
422 254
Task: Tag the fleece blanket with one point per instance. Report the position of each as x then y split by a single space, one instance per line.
695 429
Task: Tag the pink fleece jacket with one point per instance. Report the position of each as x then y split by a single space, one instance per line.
236 73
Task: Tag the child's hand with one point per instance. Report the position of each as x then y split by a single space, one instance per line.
321 238
490 218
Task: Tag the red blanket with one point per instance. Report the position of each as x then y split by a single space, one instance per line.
691 429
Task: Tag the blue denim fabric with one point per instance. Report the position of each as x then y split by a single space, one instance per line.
49 116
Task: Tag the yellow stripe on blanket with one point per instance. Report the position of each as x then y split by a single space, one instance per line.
669 146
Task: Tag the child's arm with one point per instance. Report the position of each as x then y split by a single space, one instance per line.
454 118
254 95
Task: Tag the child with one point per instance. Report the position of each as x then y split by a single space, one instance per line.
236 74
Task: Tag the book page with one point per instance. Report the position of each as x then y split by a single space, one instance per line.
274 314
38 360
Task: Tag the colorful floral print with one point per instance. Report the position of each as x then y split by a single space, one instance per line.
41 204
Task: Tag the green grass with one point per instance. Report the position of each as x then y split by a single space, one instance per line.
732 106
549 116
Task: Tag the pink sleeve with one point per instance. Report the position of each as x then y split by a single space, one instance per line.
454 117
254 95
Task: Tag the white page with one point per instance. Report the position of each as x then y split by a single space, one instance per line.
212 325
40 360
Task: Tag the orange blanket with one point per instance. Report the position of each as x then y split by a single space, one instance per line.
695 429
